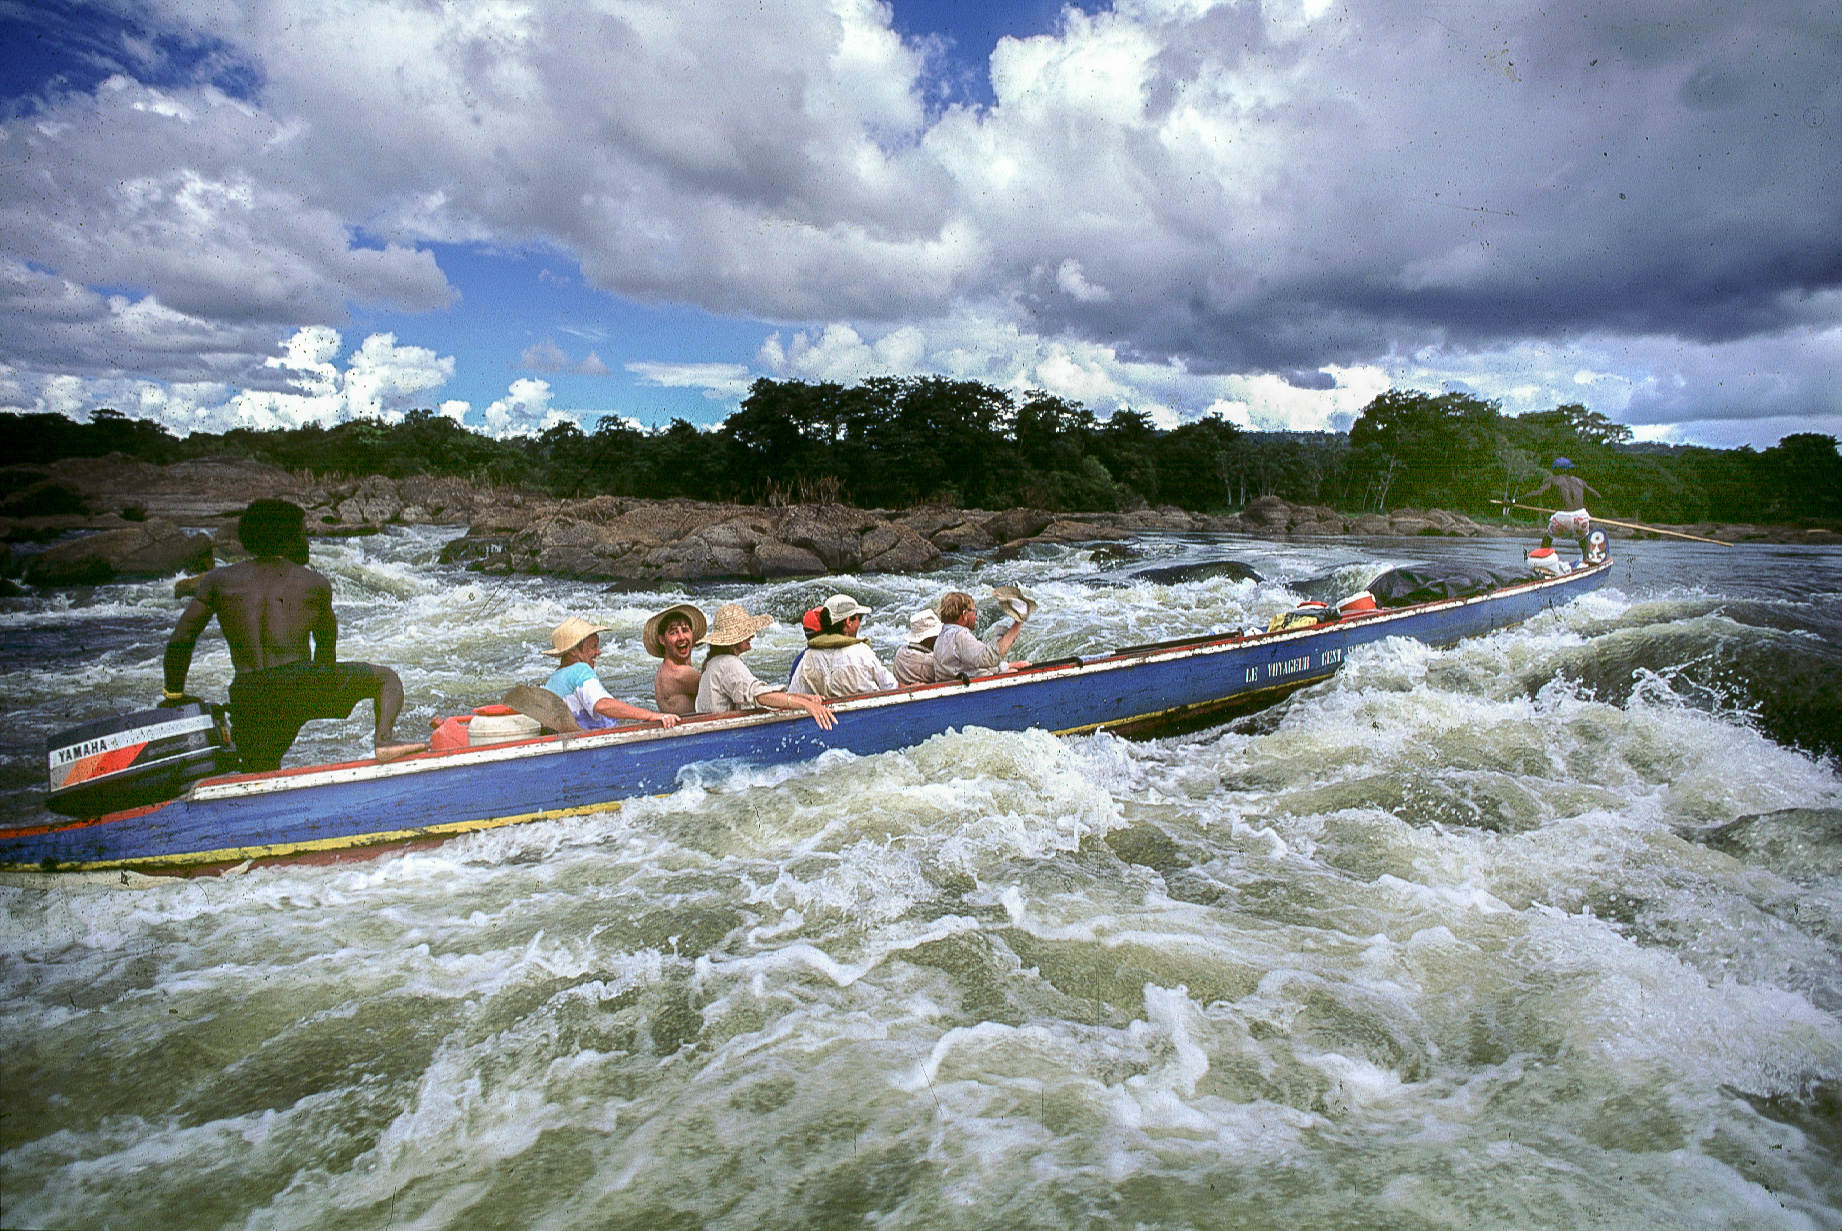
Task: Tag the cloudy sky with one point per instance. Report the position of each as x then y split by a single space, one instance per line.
268 212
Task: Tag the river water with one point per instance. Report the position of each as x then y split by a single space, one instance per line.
1539 931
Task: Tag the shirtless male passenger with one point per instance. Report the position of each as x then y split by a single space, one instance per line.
671 635
278 618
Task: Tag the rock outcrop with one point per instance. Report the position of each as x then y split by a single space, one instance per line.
78 492
609 539
153 548
1269 516
137 508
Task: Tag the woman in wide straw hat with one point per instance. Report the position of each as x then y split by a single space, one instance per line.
728 685
671 635
575 644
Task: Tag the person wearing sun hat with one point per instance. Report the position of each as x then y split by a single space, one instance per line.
837 662
914 662
728 685
671 635
575 644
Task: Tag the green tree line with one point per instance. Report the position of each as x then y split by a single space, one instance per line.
895 442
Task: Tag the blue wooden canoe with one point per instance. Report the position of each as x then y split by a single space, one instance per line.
364 808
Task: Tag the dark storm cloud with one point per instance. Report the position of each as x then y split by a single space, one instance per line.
1546 197
1483 175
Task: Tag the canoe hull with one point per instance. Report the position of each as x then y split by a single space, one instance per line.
323 812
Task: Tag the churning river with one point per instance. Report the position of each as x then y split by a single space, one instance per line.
1544 930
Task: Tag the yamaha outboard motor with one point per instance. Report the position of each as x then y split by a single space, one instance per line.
132 760
1593 548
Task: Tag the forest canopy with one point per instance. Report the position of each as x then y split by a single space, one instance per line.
894 442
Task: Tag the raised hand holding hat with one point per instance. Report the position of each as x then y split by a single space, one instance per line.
1012 603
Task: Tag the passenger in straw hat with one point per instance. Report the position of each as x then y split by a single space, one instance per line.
728 685
672 634
576 644
914 662
958 651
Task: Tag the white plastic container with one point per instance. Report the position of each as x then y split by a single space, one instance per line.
500 728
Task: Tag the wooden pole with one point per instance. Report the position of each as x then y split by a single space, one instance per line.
1628 525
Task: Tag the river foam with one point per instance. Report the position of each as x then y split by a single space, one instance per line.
1532 931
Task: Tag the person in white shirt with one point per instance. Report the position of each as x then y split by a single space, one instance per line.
958 651
837 662
914 662
728 685
576 644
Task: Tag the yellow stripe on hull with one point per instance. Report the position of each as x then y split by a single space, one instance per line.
317 846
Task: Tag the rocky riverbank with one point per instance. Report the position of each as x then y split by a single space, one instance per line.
137 511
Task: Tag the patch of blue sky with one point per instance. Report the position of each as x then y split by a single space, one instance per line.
966 33
531 316
71 46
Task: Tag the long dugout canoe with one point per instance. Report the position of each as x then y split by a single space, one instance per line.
365 808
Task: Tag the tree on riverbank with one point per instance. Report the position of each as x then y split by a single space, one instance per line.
893 442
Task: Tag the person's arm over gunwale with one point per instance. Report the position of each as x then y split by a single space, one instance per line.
576 644
729 685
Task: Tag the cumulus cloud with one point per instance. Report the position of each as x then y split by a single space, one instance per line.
306 383
720 382
548 357
191 194
991 348
1172 200
524 410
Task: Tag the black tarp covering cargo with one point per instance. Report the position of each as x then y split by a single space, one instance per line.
1423 583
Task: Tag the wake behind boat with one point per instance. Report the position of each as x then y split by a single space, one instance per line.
365 808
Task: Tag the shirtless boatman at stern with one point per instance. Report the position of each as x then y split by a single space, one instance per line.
278 618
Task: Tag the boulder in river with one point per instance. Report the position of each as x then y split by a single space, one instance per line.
153 548
45 498
1202 570
1014 524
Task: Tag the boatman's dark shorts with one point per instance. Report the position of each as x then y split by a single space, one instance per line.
269 707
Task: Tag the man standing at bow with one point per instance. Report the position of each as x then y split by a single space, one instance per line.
1571 521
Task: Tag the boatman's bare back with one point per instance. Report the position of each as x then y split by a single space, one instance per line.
277 616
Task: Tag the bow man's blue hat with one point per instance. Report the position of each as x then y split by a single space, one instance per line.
1561 463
